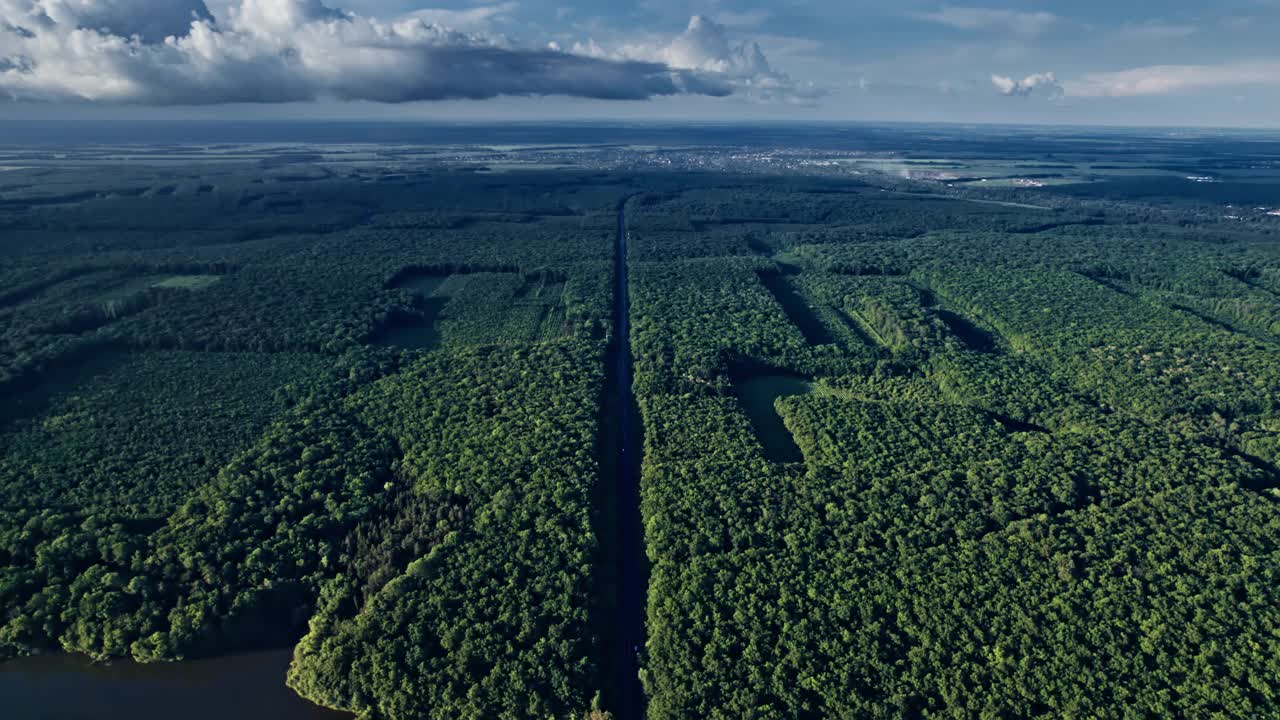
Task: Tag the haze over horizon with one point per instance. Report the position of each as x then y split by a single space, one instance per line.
1151 64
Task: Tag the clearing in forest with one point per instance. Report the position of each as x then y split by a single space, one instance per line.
757 396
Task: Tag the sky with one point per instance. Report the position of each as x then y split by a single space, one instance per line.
1140 62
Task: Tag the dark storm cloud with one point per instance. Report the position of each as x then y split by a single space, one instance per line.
480 73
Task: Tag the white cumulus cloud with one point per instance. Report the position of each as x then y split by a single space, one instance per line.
475 18
705 49
149 19
176 52
1037 84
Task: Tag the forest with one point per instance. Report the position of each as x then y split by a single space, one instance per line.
1036 470
904 452
370 431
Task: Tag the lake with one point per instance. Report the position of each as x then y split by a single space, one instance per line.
756 395
236 687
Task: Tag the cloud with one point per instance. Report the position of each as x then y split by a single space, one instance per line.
267 18
174 52
1170 79
1037 84
1158 31
704 49
1145 81
150 20
1024 24
475 18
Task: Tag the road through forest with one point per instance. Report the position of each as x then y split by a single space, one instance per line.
629 631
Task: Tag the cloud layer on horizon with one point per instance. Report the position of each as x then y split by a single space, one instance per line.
1014 22
1147 81
175 52
1169 79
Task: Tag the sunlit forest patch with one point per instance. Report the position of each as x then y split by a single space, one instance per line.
187 282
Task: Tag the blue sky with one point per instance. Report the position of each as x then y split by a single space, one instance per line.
1094 62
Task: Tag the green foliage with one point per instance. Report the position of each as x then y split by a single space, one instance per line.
105 440
202 452
1029 487
1028 458
237 562
493 613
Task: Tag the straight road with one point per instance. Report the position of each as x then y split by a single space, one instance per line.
629 636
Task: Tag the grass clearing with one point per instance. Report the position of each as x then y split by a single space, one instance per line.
479 308
187 282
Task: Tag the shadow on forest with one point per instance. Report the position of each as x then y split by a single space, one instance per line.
973 337
796 308
33 396
1264 486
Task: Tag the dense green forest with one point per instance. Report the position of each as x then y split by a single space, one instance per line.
906 453
1037 459
372 428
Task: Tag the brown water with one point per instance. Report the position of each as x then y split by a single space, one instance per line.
70 687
